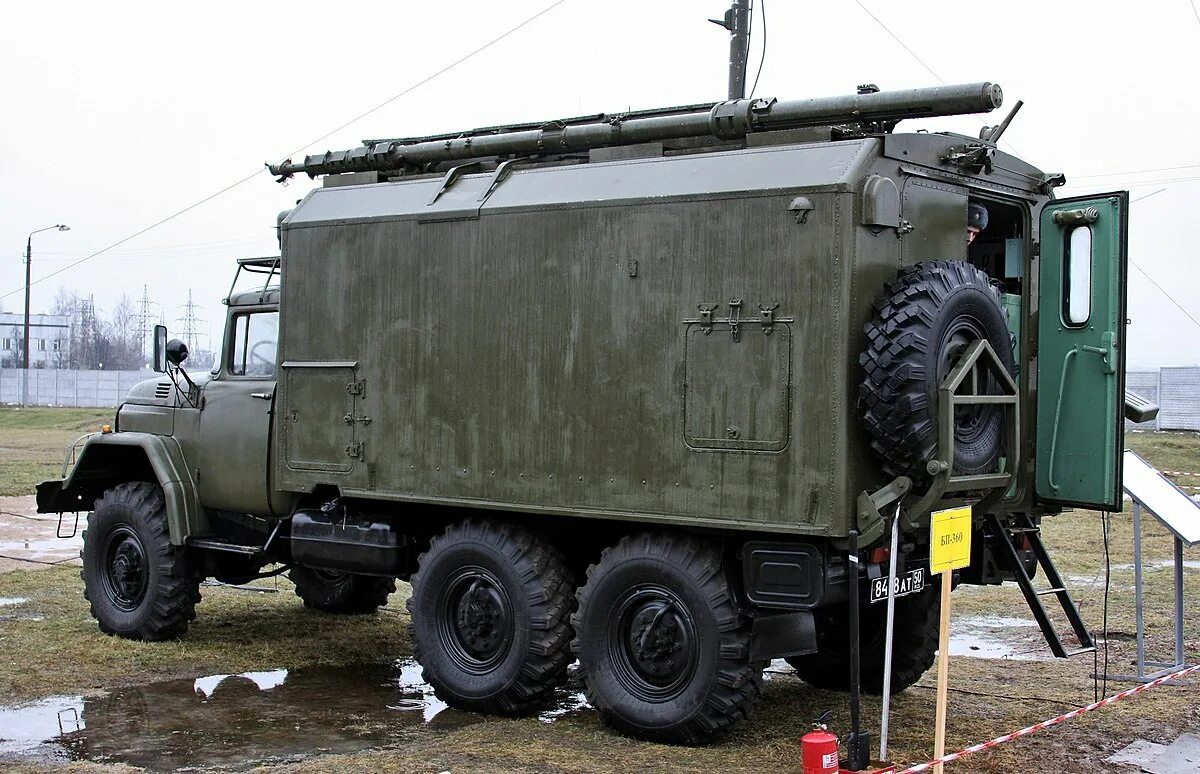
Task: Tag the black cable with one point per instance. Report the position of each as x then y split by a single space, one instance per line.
38 561
762 6
23 516
260 170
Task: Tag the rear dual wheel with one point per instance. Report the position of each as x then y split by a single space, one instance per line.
664 651
662 647
341 592
490 607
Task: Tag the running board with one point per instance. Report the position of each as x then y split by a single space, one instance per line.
1024 527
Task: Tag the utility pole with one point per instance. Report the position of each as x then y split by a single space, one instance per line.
28 284
190 323
737 21
144 323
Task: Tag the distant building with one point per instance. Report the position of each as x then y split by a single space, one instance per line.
49 340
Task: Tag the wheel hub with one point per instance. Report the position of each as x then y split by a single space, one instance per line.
477 624
126 570
652 643
657 638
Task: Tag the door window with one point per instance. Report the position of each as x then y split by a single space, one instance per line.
1077 301
255 337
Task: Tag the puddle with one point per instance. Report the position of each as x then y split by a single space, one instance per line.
235 721
10 601
993 637
45 550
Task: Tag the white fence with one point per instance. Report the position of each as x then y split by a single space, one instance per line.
61 387
1176 389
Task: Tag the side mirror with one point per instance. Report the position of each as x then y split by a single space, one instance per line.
177 352
160 349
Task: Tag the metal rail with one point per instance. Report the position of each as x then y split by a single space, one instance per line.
729 120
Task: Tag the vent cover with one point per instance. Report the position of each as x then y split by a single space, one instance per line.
162 390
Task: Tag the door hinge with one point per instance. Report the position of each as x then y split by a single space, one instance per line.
357 387
351 419
354 450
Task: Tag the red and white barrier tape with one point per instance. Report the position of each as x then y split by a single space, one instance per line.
1048 723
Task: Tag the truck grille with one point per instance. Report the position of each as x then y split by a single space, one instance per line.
162 390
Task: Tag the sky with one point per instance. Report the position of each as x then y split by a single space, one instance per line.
118 116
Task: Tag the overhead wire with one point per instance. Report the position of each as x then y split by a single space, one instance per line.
762 7
328 134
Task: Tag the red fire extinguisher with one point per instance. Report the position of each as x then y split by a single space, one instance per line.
819 749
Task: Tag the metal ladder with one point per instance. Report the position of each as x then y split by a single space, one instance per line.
1023 526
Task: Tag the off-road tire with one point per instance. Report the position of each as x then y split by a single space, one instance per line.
491 606
665 590
133 578
341 592
927 316
913 651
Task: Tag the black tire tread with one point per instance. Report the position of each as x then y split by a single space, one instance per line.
364 594
893 394
914 650
178 594
739 681
547 581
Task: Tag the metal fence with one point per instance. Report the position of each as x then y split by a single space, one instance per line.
61 387
1176 390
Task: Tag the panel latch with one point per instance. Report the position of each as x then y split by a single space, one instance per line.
735 311
767 317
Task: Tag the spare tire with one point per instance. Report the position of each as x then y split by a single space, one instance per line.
921 326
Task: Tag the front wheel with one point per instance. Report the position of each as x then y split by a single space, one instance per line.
662 647
341 592
132 575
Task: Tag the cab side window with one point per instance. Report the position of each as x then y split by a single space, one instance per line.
254 342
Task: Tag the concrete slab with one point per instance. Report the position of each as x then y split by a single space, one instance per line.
1180 757
1140 753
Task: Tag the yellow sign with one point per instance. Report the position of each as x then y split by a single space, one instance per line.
950 539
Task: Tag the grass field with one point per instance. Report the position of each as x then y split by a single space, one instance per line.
50 646
34 440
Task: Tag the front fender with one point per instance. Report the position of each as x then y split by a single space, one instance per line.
109 459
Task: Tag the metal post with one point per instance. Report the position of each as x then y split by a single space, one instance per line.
739 47
1137 589
25 337
858 742
1178 601
887 642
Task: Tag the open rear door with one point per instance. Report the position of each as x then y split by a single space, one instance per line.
1081 351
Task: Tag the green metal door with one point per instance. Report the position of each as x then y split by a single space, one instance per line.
1081 351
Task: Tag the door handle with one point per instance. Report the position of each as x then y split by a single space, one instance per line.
261 395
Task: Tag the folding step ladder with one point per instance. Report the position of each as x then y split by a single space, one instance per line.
1024 529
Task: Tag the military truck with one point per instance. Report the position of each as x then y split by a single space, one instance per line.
650 390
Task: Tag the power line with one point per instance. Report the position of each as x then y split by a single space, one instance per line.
762 8
903 45
1138 171
259 171
1195 13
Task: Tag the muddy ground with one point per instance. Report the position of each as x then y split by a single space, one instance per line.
261 683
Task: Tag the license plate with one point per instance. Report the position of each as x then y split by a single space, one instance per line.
909 583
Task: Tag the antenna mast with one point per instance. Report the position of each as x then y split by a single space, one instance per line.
737 21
